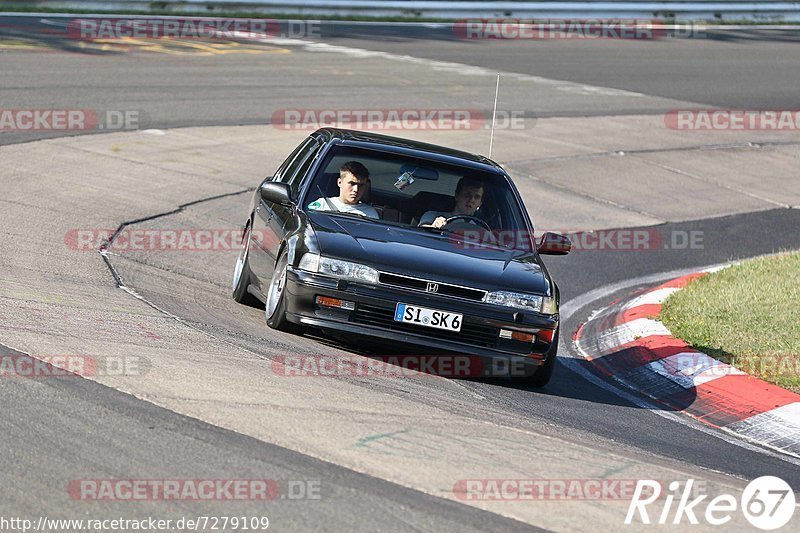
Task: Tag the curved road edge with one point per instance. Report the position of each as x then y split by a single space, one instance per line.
625 343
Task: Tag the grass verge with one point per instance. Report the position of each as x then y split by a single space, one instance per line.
747 315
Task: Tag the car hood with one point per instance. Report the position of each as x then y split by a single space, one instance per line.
428 255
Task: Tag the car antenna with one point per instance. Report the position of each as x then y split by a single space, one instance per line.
494 114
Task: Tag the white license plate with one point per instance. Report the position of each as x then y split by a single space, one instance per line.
428 317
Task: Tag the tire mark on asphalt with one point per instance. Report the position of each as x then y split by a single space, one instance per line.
121 284
106 244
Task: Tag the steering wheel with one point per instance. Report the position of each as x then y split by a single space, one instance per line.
468 218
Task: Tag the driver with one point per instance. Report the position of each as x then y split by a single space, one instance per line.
468 197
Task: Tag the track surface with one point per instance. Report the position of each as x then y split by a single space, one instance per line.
119 436
189 84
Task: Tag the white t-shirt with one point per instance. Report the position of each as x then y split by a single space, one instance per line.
322 204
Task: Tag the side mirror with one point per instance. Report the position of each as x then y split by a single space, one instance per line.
553 244
276 192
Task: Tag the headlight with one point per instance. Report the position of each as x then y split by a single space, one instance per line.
309 263
338 268
528 302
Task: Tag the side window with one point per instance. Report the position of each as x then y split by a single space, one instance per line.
281 174
306 150
301 170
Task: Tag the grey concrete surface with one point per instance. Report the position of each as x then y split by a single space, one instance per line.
71 305
214 361
192 83
83 430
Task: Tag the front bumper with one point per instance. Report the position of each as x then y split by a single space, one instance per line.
374 316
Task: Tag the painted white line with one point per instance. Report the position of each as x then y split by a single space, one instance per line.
449 66
615 337
779 427
717 268
679 418
569 359
572 306
653 297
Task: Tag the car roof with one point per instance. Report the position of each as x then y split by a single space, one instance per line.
388 143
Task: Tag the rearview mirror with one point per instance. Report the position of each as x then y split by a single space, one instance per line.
553 244
277 192
424 173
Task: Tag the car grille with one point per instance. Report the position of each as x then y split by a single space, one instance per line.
473 334
422 285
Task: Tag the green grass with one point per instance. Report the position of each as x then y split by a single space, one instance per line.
747 315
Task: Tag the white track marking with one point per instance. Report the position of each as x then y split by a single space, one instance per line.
612 339
656 297
449 66
771 426
571 361
690 369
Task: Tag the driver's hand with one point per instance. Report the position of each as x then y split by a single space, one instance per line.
439 222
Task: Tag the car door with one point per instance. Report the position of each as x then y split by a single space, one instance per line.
271 218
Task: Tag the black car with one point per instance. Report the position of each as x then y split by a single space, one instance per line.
474 286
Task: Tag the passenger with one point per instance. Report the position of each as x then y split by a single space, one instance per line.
353 183
468 197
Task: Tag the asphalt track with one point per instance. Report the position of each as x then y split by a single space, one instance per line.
740 69
57 430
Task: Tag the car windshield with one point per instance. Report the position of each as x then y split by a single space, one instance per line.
413 192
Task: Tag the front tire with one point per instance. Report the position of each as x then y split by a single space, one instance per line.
275 309
542 375
241 275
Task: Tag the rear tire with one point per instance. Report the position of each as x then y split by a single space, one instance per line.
542 375
275 309
241 275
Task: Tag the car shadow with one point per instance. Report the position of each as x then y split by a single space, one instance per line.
632 391
393 359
